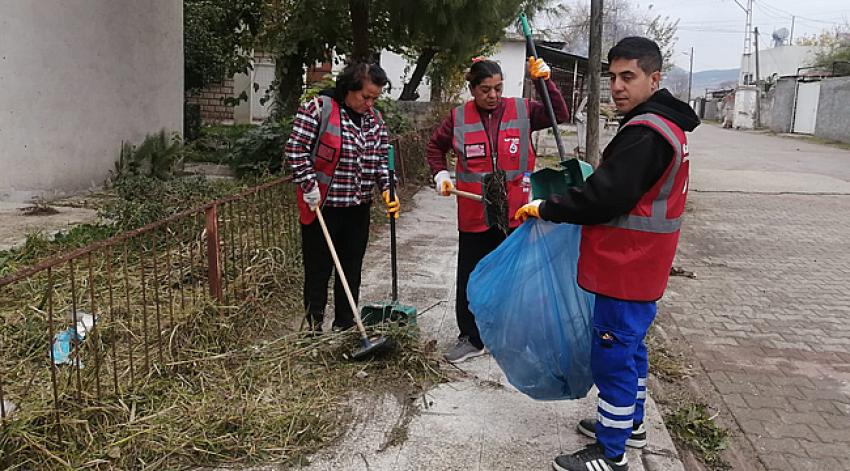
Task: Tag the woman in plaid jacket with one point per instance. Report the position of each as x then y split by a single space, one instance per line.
338 154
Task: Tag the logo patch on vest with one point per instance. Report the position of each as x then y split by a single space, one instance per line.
325 152
514 144
474 151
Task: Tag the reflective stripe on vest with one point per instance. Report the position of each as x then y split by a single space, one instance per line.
657 221
325 126
461 129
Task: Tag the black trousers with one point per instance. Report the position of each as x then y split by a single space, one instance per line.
472 247
349 230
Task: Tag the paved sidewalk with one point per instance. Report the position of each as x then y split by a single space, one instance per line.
768 315
478 422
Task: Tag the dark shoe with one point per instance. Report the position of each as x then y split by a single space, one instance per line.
314 323
341 328
463 350
636 440
590 458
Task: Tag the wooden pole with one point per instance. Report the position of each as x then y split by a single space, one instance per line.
595 66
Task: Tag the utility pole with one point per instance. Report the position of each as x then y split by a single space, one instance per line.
595 66
791 38
691 76
758 86
748 41
616 23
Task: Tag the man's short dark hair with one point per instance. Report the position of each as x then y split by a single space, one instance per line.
645 50
351 78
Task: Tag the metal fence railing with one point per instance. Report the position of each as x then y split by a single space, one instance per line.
88 325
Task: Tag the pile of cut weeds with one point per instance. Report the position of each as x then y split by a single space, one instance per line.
236 385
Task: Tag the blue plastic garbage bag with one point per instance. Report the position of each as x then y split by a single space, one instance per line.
532 315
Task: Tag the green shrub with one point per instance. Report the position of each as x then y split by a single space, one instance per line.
260 149
156 157
143 200
395 121
191 121
215 143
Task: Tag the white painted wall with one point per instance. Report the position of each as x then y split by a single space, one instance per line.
78 77
399 71
510 54
782 61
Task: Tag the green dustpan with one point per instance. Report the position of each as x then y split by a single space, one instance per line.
378 313
550 181
392 311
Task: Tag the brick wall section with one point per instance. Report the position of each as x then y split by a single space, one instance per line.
211 99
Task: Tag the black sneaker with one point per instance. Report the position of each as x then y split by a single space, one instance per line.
636 440
590 458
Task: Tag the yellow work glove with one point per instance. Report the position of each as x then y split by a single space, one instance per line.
537 69
394 206
443 183
530 210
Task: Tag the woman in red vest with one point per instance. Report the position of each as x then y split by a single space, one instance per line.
338 153
488 132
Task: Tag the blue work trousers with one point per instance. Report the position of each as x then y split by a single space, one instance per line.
619 364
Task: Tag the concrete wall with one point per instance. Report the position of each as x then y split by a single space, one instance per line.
833 121
781 110
78 77
711 110
745 106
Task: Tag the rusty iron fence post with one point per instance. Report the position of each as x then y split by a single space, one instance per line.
213 252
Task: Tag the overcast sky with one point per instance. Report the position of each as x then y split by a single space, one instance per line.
715 28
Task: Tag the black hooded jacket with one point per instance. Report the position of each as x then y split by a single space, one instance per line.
631 164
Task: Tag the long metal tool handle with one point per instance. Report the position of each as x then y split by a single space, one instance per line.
341 274
547 100
393 258
466 194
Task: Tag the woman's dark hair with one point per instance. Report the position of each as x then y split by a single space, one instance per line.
351 78
645 50
481 70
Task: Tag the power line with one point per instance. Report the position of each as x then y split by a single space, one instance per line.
789 15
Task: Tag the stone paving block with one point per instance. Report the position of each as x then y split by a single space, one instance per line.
832 435
811 418
782 445
767 402
782 461
815 449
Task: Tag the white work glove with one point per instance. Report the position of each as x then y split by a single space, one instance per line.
443 182
312 198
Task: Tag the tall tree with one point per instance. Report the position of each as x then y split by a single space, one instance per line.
359 12
218 39
833 49
621 18
299 33
430 29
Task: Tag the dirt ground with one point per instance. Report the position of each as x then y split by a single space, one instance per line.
16 224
